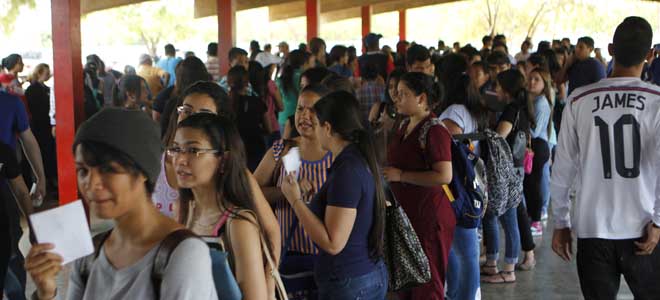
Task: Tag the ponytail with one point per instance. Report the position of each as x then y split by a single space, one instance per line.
365 141
238 78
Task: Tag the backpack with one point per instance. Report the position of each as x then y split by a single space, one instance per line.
161 259
505 188
467 189
225 283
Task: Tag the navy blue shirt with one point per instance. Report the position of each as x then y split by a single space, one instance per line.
350 185
585 72
13 119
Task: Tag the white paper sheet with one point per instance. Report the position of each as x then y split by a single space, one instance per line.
292 161
65 227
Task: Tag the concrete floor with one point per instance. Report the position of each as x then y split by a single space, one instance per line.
551 279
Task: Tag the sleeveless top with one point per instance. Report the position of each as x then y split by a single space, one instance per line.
316 173
164 195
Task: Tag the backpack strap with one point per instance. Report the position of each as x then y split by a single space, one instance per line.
163 254
88 261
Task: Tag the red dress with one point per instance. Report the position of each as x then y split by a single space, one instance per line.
428 208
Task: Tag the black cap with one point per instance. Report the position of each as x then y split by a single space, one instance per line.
131 132
372 39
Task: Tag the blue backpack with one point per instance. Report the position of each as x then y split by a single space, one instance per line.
467 189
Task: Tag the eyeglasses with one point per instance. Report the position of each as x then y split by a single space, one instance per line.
175 151
184 110
187 111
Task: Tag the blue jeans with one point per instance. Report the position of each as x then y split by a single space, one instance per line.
545 181
463 267
509 222
370 286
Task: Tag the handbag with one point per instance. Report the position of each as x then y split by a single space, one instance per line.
406 262
518 143
528 162
297 270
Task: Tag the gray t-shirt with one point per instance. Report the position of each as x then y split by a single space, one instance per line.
187 276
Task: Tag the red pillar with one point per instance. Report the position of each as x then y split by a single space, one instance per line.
402 24
226 32
68 90
366 19
313 12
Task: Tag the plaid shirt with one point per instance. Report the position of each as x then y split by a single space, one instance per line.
369 93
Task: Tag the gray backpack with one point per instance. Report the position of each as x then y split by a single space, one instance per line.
505 186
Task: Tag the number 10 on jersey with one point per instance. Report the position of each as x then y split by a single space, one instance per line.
619 146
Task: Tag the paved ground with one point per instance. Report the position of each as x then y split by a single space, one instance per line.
552 278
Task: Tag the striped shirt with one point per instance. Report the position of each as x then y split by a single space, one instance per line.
316 173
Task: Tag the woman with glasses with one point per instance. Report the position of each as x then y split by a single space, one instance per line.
216 199
207 97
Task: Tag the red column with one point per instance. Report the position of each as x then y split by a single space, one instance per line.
402 24
68 90
313 12
366 19
226 32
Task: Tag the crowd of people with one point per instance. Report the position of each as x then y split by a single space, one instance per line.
175 148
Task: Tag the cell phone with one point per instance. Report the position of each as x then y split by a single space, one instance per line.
656 47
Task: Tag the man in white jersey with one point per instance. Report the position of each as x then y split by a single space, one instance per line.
610 145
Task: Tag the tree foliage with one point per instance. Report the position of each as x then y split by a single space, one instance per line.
148 23
9 10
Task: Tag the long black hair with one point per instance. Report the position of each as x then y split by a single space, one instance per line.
341 110
238 80
294 61
231 181
257 77
513 83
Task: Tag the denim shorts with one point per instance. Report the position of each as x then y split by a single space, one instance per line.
370 286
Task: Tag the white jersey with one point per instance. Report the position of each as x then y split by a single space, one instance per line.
609 148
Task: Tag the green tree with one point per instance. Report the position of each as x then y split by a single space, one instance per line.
9 10
148 23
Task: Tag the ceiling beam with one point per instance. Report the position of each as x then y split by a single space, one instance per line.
348 10
88 6
297 9
207 8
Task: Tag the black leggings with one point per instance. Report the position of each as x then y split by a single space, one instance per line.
526 238
532 182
